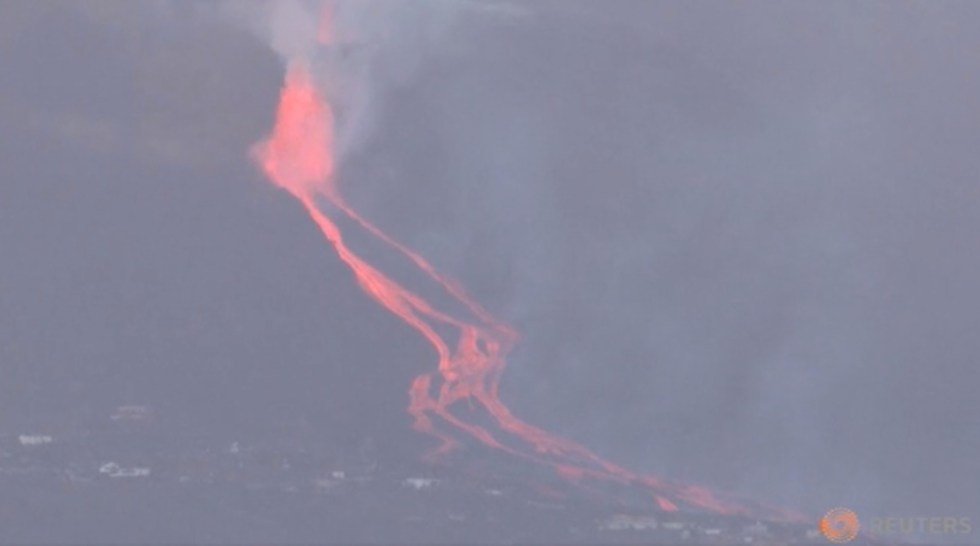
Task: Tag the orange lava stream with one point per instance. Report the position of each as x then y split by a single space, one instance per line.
297 156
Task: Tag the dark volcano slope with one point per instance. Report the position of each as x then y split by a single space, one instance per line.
212 300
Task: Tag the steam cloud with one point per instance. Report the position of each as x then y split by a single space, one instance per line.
361 52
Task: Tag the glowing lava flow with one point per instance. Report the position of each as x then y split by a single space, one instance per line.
298 157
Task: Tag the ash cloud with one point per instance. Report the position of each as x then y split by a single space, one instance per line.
360 51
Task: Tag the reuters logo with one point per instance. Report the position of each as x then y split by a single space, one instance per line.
840 525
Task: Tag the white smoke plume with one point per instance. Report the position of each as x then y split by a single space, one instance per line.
359 50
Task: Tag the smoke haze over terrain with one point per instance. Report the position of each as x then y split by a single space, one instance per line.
739 240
